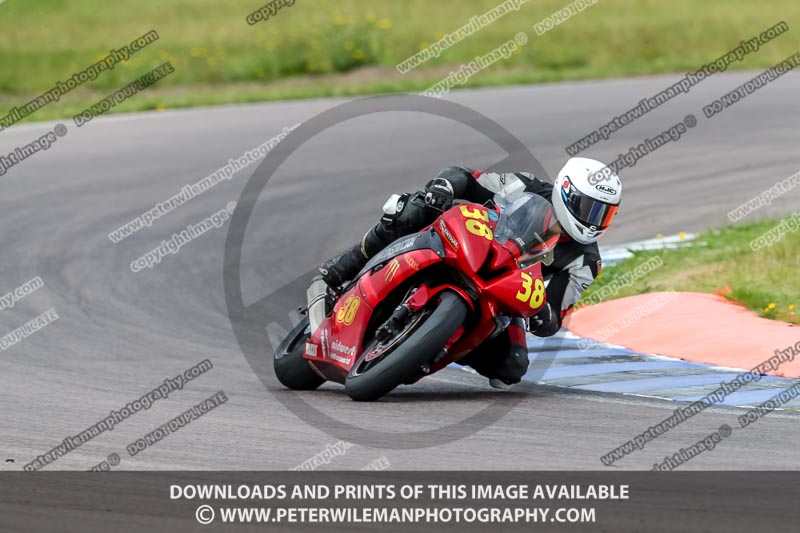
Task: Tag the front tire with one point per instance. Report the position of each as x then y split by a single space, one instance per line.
419 342
291 369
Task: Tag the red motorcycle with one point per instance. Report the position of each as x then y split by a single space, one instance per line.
425 301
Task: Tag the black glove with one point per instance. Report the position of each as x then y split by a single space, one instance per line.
545 323
439 193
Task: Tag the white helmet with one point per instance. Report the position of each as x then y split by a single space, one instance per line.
586 196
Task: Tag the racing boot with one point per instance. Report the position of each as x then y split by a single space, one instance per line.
343 268
400 217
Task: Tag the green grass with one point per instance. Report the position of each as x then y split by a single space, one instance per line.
350 47
765 281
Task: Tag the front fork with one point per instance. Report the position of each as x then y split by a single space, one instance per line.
419 298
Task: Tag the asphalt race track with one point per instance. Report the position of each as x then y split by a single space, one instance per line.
121 333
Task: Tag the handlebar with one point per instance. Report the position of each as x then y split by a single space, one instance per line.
419 202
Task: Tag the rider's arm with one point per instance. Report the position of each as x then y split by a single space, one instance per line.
563 291
479 187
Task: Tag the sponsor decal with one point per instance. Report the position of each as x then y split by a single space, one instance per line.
493 216
391 270
324 341
339 358
343 349
413 263
311 349
606 189
345 355
396 248
449 236
348 311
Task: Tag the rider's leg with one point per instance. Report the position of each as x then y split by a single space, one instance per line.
503 359
400 218
344 267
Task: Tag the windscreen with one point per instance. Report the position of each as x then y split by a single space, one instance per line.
527 220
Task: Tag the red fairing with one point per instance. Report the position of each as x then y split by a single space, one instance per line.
375 286
474 265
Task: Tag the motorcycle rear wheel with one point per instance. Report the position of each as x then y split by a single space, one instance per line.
424 335
291 369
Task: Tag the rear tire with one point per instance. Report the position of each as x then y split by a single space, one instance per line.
421 345
291 369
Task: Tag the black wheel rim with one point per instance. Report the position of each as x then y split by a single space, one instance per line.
378 351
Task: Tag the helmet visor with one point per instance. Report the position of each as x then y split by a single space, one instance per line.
589 211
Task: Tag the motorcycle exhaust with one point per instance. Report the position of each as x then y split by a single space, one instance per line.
315 295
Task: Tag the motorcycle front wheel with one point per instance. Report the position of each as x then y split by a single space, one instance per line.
386 364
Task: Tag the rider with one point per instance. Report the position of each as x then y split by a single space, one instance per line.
584 206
